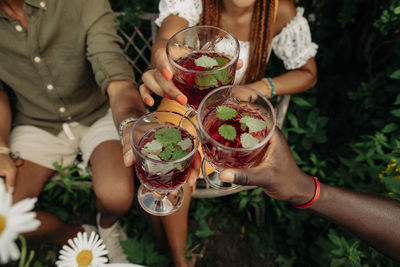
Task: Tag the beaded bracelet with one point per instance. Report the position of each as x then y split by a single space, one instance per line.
315 197
271 82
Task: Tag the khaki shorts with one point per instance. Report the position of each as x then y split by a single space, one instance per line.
43 148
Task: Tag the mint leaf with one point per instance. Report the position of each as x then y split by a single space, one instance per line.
153 147
226 113
185 144
221 61
166 136
152 156
227 131
223 77
178 153
206 81
206 62
255 125
243 126
248 140
167 152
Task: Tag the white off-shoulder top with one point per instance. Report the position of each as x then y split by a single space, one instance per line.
293 45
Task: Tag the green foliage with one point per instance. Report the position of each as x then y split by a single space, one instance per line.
143 252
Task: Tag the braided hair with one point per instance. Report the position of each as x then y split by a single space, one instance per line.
260 33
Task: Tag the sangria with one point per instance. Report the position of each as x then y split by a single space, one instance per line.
235 124
164 144
203 58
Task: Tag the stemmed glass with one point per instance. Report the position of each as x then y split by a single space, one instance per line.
235 124
203 58
164 144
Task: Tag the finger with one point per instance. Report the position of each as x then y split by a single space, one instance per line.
146 95
9 178
250 176
169 88
239 64
129 158
195 170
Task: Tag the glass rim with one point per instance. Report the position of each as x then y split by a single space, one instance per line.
230 63
214 142
193 151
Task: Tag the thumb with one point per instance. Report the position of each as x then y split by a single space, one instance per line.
239 176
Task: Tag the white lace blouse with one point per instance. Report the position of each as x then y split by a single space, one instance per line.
293 45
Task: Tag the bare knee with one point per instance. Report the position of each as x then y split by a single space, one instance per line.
116 201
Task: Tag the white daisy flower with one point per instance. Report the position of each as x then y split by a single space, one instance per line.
82 252
14 220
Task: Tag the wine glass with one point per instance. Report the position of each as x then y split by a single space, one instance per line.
235 124
202 58
164 144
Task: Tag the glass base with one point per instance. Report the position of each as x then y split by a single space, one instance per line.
213 179
158 204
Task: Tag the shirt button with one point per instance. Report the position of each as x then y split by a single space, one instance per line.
37 59
50 87
18 28
42 4
62 109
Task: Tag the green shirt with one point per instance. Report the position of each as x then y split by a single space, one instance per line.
60 68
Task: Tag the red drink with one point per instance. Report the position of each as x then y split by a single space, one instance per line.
163 175
202 78
236 151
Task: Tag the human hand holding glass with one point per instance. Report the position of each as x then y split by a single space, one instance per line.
235 124
164 145
200 58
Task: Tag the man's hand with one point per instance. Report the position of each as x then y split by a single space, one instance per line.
278 174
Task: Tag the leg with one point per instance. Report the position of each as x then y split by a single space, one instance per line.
28 186
112 182
176 229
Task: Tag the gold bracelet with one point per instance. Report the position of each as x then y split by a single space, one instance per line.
5 150
265 80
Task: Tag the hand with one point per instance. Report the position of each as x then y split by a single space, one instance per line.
8 170
159 81
278 174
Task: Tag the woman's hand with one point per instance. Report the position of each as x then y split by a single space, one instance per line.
8 171
159 80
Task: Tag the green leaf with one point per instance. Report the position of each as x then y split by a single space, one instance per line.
153 147
167 152
206 62
178 153
221 61
185 144
300 101
395 112
226 113
134 250
391 127
248 140
168 136
395 75
397 101
223 77
397 10
206 81
227 131
254 124
204 230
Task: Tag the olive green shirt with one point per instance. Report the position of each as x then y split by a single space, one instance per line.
59 69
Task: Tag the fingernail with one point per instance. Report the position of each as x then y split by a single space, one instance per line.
10 189
181 99
148 101
128 157
168 96
227 176
167 74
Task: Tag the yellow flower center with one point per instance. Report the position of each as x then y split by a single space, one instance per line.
2 224
84 258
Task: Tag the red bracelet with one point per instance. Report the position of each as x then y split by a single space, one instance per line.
315 197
